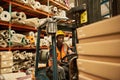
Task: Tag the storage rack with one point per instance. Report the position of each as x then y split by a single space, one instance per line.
14 5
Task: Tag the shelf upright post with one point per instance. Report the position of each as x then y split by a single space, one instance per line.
37 52
48 4
10 10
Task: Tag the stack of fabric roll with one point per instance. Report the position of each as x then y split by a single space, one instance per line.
22 60
4 34
18 39
12 37
32 3
4 15
34 22
31 37
18 16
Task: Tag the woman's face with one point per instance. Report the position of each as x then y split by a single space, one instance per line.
60 39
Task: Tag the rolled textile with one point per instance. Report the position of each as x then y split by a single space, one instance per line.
31 3
62 13
7 40
17 38
5 16
22 1
15 15
31 33
35 34
12 32
3 44
1 38
37 5
23 16
25 41
17 19
1 9
4 33
44 8
31 38
15 52
31 22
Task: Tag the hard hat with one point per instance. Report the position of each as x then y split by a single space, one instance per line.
59 32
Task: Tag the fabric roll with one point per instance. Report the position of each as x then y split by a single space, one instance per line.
15 52
5 16
15 15
31 22
1 9
31 38
31 3
12 32
27 41
18 16
3 44
62 13
1 38
22 16
23 1
17 19
37 5
31 33
4 33
7 40
17 38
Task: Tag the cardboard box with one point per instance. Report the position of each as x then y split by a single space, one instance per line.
105 27
100 58
107 70
13 76
4 64
109 48
5 70
6 55
87 76
100 38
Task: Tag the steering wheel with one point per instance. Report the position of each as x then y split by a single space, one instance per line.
69 57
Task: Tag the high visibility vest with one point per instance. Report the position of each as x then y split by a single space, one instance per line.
62 53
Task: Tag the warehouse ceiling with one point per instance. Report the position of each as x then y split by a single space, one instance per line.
105 12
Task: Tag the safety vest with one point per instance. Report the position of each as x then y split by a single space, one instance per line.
62 53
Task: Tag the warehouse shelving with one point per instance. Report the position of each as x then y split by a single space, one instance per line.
28 48
28 10
57 4
16 6
12 5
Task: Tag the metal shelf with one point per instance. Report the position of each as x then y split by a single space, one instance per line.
22 48
4 23
27 9
57 4
4 49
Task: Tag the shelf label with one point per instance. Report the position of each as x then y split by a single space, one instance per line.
84 17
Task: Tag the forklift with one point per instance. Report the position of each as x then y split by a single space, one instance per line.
50 24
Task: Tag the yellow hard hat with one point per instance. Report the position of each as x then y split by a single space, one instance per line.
59 32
